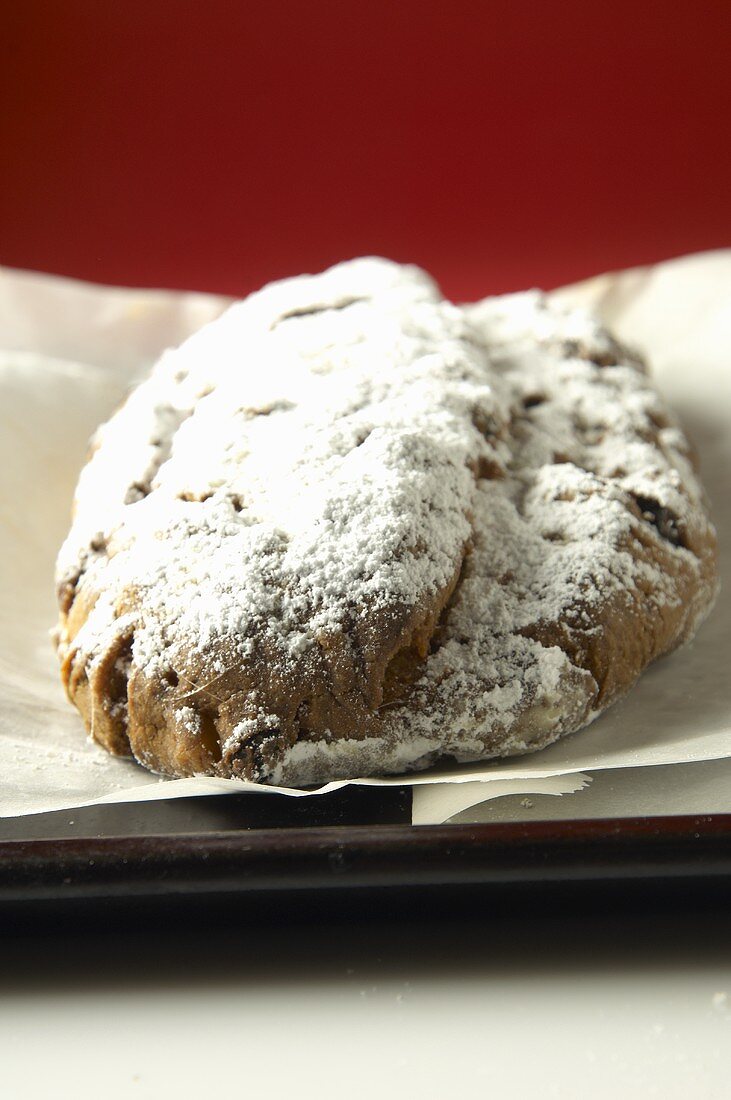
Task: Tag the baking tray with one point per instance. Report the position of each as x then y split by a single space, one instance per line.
356 842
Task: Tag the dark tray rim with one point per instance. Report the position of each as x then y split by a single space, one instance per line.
365 856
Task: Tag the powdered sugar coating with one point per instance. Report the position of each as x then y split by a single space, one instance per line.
293 495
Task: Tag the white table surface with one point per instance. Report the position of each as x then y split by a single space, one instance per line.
583 1006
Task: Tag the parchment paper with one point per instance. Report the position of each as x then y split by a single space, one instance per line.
74 350
698 789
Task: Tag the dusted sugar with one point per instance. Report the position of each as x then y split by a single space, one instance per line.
349 528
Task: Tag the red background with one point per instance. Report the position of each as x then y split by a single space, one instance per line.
217 145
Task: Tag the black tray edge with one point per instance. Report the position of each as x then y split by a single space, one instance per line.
337 857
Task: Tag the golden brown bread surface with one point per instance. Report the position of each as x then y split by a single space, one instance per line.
350 529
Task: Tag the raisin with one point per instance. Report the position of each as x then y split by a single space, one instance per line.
662 518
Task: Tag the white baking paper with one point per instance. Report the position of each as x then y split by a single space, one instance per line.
74 350
697 789
435 803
